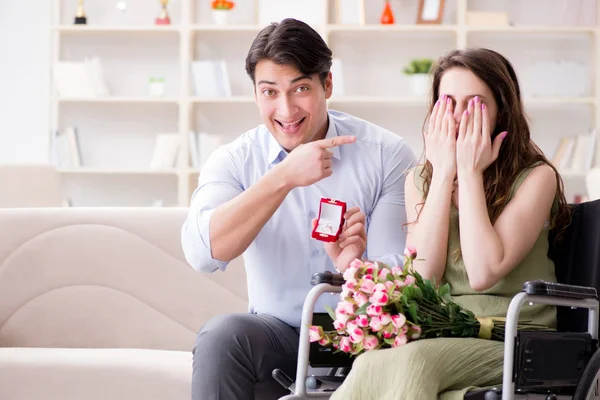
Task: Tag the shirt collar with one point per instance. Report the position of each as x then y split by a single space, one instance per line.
278 153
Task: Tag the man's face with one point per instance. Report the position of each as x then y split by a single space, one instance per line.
292 105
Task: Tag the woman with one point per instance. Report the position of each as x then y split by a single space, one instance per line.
484 174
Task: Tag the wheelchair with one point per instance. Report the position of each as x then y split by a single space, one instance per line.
561 364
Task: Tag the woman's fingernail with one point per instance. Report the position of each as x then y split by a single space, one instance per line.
466 112
483 106
503 134
476 99
470 102
448 100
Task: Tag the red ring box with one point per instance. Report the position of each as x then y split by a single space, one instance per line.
331 220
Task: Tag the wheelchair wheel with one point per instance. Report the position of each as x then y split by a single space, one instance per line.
588 387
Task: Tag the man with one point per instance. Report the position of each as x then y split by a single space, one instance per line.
259 196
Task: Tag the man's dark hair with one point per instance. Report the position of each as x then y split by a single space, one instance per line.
290 42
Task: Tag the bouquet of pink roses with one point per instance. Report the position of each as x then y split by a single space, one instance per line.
388 307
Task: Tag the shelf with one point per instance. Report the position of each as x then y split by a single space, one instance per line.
532 29
376 100
110 99
538 101
226 28
228 100
103 171
391 28
110 29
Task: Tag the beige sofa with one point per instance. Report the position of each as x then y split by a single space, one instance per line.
99 303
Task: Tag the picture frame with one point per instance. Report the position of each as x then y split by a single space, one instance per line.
430 11
350 12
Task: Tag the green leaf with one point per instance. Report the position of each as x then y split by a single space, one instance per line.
412 310
389 341
330 312
362 309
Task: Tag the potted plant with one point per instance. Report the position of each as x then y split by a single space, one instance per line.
418 73
221 10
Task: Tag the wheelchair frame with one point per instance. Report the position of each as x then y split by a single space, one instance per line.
299 389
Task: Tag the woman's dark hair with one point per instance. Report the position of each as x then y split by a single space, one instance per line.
517 152
290 42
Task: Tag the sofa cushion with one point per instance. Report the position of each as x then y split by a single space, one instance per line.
94 374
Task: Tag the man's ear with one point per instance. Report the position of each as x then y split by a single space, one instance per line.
328 85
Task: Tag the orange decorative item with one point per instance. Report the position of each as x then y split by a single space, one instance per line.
387 17
222 5
221 10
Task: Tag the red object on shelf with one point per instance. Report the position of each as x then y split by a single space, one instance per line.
387 17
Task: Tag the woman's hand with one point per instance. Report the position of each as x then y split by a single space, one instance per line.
440 138
352 242
474 148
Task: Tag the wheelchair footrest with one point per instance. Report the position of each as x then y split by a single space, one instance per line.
324 383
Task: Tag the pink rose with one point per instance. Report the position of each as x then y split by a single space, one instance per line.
389 285
345 307
374 310
357 335
385 318
409 280
350 273
410 252
356 263
351 325
400 341
362 321
416 332
380 287
346 294
367 285
325 341
399 283
370 342
350 285
383 274
339 325
375 324
345 344
397 271
379 298
360 298
398 320
315 333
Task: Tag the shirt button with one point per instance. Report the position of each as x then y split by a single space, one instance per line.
315 253
312 214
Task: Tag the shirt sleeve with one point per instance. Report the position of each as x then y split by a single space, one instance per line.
386 235
219 182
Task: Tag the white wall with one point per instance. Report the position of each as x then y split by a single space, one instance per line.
24 80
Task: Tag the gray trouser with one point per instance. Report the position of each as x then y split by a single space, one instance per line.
234 357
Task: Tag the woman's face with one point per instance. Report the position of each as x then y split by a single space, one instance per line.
461 85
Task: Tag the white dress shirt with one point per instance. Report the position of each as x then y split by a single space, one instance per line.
368 173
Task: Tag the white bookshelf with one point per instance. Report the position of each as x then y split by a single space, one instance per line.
116 133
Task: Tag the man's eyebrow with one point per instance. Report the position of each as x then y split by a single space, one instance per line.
301 77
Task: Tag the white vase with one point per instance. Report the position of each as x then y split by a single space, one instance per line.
220 16
419 84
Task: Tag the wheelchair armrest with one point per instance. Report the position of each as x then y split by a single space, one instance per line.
542 288
327 277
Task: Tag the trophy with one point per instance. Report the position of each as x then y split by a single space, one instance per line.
80 18
163 18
